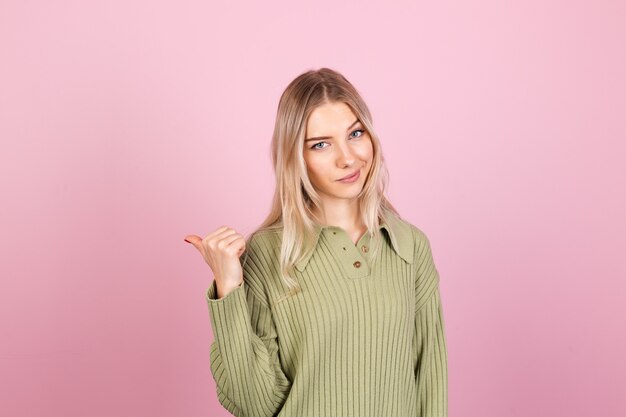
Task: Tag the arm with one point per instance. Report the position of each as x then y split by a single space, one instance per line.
429 343
244 353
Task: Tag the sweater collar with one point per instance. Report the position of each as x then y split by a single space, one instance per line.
398 230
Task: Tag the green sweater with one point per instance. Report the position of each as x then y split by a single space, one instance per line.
358 341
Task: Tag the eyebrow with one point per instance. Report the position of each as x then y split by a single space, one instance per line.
330 137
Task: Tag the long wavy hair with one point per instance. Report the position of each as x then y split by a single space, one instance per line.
295 197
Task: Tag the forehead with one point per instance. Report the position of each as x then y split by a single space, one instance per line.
330 116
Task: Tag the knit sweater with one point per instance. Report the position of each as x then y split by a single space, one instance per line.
359 340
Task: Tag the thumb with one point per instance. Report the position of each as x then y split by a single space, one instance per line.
195 241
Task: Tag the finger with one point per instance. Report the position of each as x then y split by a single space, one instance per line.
227 237
196 241
222 232
234 241
218 231
193 238
241 245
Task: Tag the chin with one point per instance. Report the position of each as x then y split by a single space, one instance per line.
353 193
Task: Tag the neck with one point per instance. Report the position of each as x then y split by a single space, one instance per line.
346 215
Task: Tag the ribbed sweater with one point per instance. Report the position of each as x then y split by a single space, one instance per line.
359 340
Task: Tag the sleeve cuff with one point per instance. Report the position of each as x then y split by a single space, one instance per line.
229 314
211 292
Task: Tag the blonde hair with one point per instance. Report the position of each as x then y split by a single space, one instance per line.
294 196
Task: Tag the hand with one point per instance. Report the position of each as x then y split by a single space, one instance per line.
221 249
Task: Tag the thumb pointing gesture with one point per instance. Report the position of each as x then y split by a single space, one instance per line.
221 250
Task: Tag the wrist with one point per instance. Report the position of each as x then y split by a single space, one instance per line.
223 291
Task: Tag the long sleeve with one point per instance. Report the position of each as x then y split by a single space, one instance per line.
244 354
430 354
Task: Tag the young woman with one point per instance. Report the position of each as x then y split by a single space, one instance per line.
332 306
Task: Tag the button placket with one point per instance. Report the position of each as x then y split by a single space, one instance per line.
350 256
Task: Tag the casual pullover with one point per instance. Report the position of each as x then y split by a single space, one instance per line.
360 340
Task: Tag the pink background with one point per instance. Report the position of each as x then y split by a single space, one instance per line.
127 125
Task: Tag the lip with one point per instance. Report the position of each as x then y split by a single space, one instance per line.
352 177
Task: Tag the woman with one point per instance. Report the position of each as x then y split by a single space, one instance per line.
336 310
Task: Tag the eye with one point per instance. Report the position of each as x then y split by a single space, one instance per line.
315 146
358 130
361 131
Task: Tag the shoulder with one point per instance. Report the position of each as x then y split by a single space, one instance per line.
262 251
264 241
417 234
427 274
421 241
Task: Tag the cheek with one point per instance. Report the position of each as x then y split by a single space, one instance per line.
366 151
316 170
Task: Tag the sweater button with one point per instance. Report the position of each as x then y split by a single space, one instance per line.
357 264
364 248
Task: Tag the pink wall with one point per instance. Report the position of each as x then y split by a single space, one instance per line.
127 125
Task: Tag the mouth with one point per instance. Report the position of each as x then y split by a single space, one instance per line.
350 176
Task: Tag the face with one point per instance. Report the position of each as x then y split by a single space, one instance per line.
336 145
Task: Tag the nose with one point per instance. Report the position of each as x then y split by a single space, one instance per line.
345 156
